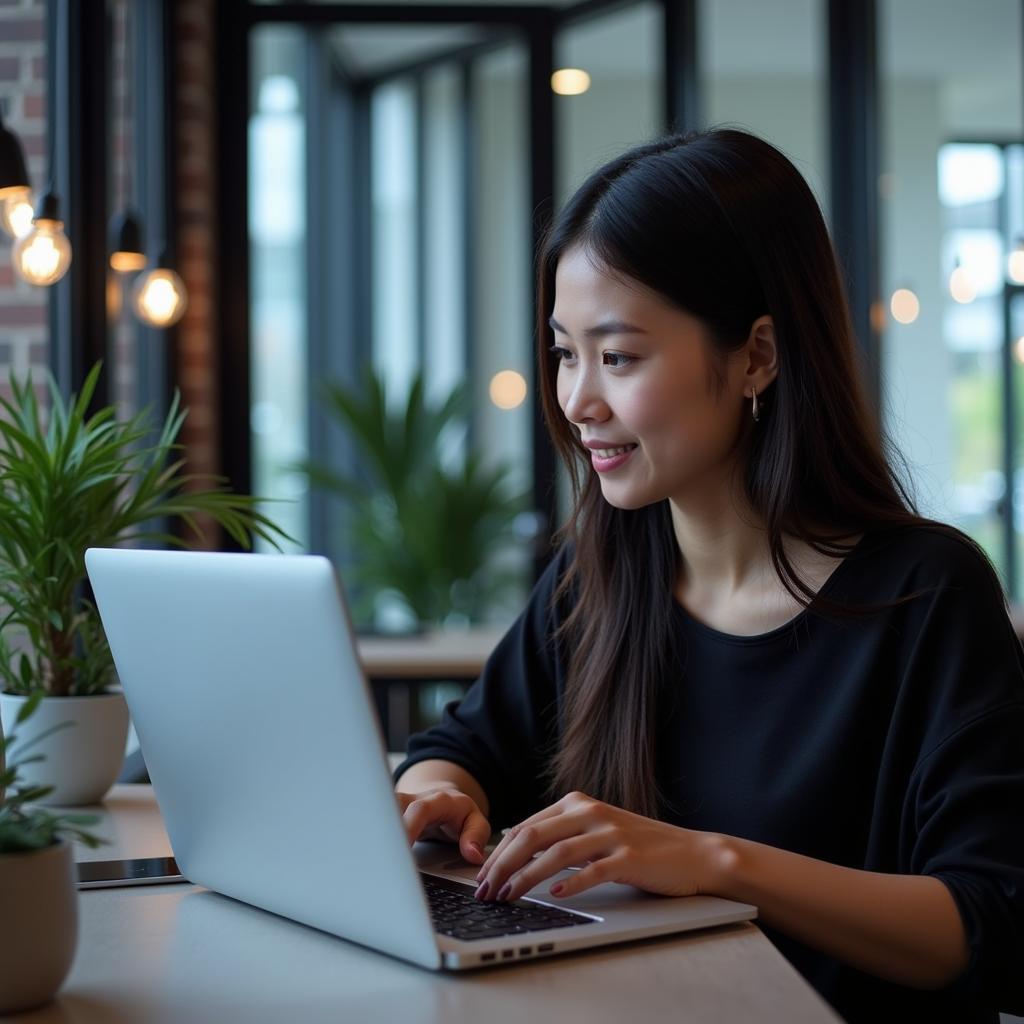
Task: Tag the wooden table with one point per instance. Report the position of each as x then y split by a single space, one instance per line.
180 953
437 654
397 666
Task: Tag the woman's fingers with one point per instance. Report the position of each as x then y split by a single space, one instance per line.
577 849
448 814
510 835
476 831
518 850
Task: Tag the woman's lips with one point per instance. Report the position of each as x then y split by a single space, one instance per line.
613 462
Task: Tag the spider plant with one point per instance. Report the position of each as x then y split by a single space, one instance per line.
25 827
73 480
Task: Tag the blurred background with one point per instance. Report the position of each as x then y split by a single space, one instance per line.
349 197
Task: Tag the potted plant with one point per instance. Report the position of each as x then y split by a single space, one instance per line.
71 481
423 527
38 887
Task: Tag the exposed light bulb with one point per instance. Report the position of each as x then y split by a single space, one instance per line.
42 255
904 306
570 81
961 287
16 211
159 297
1015 263
15 188
508 389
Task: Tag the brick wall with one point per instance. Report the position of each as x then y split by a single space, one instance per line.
196 185
24 327
23 308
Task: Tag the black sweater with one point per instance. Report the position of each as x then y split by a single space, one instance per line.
892 744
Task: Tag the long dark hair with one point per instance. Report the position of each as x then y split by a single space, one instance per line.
721 224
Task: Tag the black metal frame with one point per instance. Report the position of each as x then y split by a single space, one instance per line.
79 118
233 108
78 115
853 131
682 67
538 25
77 35
155 155
541 35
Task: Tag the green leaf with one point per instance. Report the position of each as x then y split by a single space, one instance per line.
82 819
426 531
34 793
26 674
81 480
30 705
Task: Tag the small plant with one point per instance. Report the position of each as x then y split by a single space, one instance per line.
78 481
418 527
22 827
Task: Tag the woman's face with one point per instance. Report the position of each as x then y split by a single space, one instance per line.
634 373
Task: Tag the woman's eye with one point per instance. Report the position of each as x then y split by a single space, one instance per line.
614 359
620 356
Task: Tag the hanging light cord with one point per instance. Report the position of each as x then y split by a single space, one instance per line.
127 70
60 57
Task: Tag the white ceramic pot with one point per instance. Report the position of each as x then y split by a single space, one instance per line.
39 931
82 760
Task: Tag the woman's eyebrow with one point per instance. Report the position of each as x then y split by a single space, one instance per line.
601 330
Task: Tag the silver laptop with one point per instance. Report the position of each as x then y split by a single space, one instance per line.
268 762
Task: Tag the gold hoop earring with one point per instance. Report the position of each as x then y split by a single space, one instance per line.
755 412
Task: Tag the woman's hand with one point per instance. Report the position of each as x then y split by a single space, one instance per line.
445 812
613 844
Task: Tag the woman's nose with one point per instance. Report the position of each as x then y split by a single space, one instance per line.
584 401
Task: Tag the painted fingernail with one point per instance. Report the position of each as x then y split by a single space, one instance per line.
556 889
477 847
481 892
505 889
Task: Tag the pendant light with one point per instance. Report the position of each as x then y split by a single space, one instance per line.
961 287
127 253
159 297
42 255
15 190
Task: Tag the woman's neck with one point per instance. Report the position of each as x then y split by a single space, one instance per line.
725 567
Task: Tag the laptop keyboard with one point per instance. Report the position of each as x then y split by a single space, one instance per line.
457 912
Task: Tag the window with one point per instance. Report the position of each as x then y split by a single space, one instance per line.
951 127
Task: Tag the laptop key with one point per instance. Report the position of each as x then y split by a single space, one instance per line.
455 911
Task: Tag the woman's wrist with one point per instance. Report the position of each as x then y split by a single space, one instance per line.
720 859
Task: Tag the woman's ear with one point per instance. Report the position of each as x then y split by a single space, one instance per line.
762 354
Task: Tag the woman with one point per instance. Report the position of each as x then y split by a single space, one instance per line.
751 668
